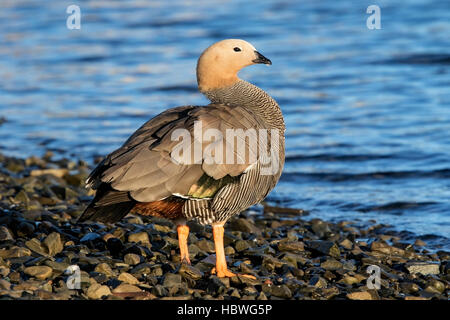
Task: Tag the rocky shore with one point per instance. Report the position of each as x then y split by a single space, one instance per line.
138 258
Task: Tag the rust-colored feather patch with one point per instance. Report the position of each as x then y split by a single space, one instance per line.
170 208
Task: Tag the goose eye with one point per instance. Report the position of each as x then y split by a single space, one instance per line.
237 49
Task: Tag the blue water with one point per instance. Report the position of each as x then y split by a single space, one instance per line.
367 111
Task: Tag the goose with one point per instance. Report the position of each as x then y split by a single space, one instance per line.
157 173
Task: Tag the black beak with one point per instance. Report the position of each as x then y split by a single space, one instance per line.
261 59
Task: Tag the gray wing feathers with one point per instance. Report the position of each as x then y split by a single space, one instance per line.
144 167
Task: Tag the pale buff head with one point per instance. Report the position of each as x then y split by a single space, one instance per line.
220 63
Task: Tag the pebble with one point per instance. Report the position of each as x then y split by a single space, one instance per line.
97 291
91 236
126 288
320 228
39 272
350 280
424 268
57 266
206 246
36 246
105 269
318 282
324 247
347 244
241 245
361 295
25 229
294 246
229 251
139 237
244 225
114 245
5 234
190 272
409 287
420 243
53 243
172 280
435 286
160 228
217 285
4 271
4 285
128 278
55 172
132 259
415 298
331 264
280 291
15 252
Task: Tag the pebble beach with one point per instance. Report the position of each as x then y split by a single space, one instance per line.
291 255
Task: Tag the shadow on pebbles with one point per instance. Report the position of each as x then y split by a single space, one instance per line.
45 254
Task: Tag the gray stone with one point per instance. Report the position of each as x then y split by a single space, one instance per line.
324 247
422 267
4 271
39 272
53 243
320 228
420 243
126 288
161 228
5 285
349 280
128 278
281 291
105 269
57 266
435 286
172 280
159 291
36 246
241 245
235 294
244 225
262 296
206 245
318 282
291 246
331 264
5 234
91 236
347 244
409 287
190 272
14 252
137 237
362 295
132 259
97 291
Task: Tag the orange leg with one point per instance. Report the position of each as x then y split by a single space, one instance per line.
221 264
183 233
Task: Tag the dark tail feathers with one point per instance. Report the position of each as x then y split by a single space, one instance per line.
108 205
